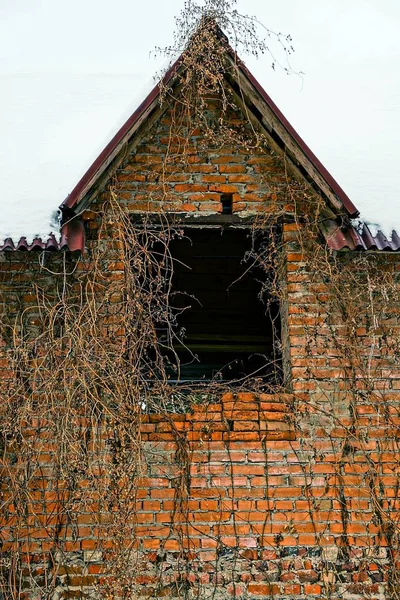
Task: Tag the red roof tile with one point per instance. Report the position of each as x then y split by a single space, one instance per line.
346 237
72 239
338 237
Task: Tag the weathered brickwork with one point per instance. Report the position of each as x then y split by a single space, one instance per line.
194 174
287 495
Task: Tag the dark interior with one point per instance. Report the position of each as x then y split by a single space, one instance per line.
224 331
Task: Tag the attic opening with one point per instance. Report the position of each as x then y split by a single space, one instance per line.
226 325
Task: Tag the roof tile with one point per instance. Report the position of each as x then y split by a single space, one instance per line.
72 239
340 237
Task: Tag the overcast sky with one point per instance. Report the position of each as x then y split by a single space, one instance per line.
71 72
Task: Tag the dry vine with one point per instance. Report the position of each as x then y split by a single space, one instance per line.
87 373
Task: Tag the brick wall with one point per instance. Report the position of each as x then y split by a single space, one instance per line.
287 495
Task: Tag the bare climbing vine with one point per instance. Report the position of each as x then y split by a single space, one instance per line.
87 380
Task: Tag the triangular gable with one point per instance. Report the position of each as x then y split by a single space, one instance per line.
265 110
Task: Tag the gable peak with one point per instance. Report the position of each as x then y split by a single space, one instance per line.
225 64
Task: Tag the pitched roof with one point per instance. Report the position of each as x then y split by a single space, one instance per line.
272 118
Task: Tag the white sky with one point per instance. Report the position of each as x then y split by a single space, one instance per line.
72 72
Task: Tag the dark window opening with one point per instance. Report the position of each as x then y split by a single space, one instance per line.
226 200
225 328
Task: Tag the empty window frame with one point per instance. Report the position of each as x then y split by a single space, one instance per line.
227 327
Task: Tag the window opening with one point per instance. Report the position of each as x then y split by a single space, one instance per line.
226 326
